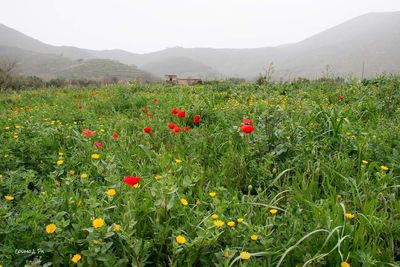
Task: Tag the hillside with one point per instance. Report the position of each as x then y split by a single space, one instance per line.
371 40
182 66
98 69
50 66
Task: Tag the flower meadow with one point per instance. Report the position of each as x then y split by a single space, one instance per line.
304 173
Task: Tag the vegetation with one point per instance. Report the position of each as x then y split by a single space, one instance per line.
293 174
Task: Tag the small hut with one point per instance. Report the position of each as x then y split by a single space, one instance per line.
173 79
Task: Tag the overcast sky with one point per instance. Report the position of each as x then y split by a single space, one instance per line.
150 25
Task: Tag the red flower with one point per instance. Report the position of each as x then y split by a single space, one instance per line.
171 125
175 111
147 130
196 119
247 121
155 100
186 129
176 129
88 132
247 128
143 110
80 106
18 109
340 98
181 114
131 181
149 115
99 145
115 136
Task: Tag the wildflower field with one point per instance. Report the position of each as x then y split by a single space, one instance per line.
293 174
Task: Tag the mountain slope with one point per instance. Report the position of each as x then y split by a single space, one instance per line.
98 69
50 66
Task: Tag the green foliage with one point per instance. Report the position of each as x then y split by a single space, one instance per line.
312 159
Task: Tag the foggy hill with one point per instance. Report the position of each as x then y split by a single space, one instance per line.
49 66
183 66
371 40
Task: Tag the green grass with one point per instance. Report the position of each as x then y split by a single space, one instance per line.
304 159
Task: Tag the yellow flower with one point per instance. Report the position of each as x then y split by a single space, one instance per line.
95 156
84 175
178 161
231 223
384 168
18 126
9 198
136 186
212 194
350 216
345 264
158 177
226 254
111 192
51 228
180 239
240 220
365 162
76 258
78 203
15 136
71 172
214 216
219 223
273 211
60 162
7 127
244 255
98 222
254 237
60 153
184 202
116 227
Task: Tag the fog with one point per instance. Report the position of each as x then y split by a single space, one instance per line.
146 26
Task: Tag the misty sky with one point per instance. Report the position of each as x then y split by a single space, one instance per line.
150 25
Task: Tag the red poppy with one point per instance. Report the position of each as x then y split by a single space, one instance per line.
196 119
171 125
247 121
143 110
99 145
155 100
131 181
186 129
340 98
88 132
175 111
176 129
149 115
115 136
18 109
181 114
247 128
80 106
147 130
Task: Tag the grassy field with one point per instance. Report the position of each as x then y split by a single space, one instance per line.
314 181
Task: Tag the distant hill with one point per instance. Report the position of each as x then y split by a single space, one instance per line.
182 66
98 69
49 66
371 40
